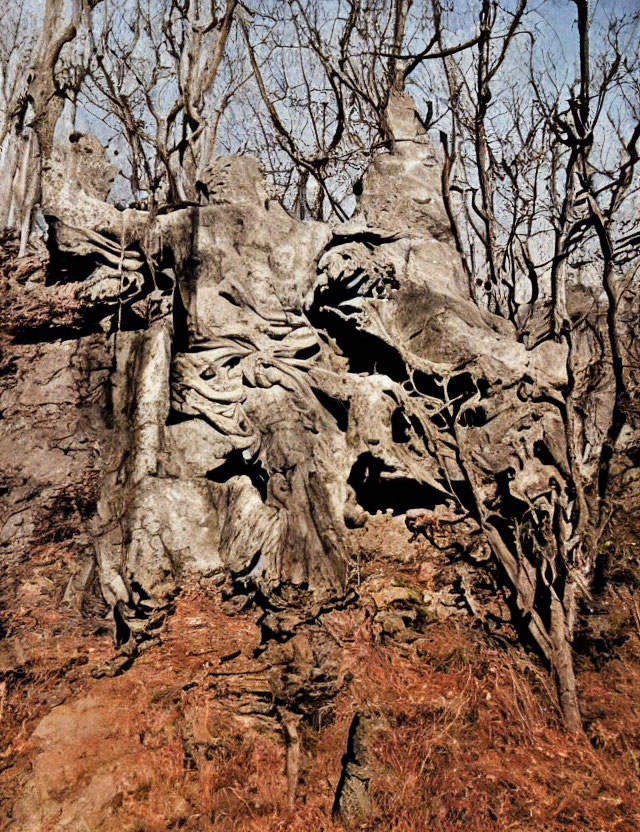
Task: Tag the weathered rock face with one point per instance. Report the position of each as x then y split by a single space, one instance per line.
216 462
269 382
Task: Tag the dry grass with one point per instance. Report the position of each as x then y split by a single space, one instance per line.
477 745
467 736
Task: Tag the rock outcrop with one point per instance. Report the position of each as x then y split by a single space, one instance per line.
261 385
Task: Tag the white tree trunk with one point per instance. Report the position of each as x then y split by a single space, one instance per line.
8 168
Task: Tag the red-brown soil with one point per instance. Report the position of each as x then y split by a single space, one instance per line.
467 733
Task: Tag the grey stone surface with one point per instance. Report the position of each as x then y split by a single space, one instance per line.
263 382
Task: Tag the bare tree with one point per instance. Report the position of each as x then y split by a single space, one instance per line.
152 74
32 102
548 195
